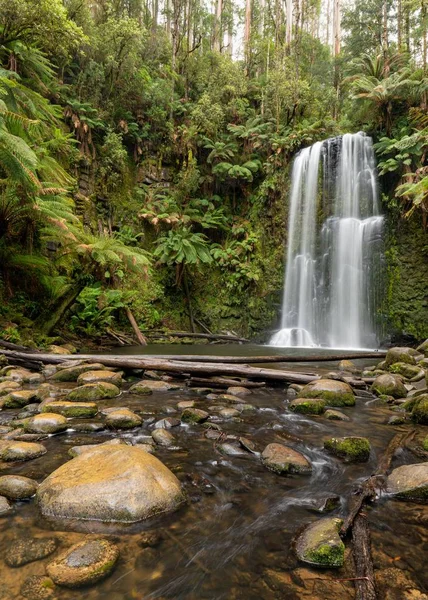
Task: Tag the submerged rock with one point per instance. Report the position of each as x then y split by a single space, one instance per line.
15 451
320 544
85 563
335 393
409 482
348 365
229 413
194 415
284 460
91 392
83 410
307 406
46 423
15 487
24 551
389 385
185 404
100 376
351 449
38 587
124 484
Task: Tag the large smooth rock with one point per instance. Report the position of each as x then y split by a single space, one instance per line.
163 437
85 563
91 392
100 376
46 423
123 418
73 372
23 551
420 410
409 482
283 460
351 449
335 393
82 410
5 506
320 544
148 386
15 450
307 406
8 386
15 487
404 355
24 376
19 398
389 385
194 415
123 484
237 390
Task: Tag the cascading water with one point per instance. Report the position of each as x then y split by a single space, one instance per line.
334 251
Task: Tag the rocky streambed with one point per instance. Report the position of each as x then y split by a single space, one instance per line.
133 486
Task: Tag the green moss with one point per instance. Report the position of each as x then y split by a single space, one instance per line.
307 406
425 444
334 399
420 410
327 555
351 449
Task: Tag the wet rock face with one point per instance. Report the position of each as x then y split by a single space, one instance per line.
120 484
389 385
409 482
351 449
335 393
320 544
85 563
284 460
15 487
21 552
91 392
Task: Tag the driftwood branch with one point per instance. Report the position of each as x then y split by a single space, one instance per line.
365 588
140 337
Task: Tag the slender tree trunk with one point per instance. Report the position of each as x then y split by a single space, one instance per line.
336 28
289 22
385 42
247 32
140 337
189 302
327 31
400 25
217 29
230 29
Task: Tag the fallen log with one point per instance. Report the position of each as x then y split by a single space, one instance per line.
365 588
224 382
175 366
16 347
207 336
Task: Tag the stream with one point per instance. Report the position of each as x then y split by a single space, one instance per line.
234 538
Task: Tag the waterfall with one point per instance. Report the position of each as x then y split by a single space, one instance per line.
334 249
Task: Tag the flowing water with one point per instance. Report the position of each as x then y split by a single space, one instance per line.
233 540
334 247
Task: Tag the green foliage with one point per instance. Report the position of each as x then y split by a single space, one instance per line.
95 310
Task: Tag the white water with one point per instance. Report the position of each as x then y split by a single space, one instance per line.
334 247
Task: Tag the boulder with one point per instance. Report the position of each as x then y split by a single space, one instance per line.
123 418
423 348
23 376
335 415
409 482
389 385
54 349
91 392
100 376
307 406
348 366
412 372
351 449
46 423
73 372
8 386
81 410
335 393
405 355
420 410
15 451
194 415
320 545
124 484
185 404
237 390
167 423
19 398
147 386
15 487
163 437
83 564
5 506
23 551
229 413
284 460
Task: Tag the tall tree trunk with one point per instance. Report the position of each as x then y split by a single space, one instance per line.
230 29
400 25
247 32
189 301
47 323
327 30
336 28
218 29
385 42
289 22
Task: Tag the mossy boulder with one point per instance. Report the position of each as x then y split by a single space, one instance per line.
335 415
19 451
348 366
420 410
194 415
404 355
120 484
163 437
320 545
100 376
123 418
335 393
23 375
409 482
53 349
73 372
148 386
91 392
83 410
284 460
389 385
45 423
8 386
425 444
307 406
15 487
84 564
19 398
423 348
413 372
351 449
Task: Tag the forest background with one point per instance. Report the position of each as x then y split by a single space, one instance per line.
145 152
